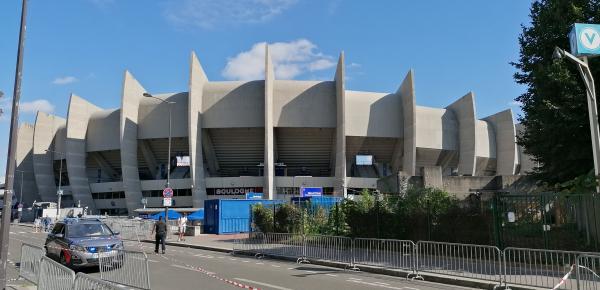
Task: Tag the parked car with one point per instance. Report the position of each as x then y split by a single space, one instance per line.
78 242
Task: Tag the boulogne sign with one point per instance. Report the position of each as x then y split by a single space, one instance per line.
232 191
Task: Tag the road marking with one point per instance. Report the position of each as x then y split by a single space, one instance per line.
375 284
381 283
259 263
291 268
245 261
183 267
22 232
332 275
263 284
221 257
233 259
276 266
152 261
312 272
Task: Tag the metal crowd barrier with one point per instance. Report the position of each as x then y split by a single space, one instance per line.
125 267
54 276
537 267
253 244
462 260
87 282
330 248
284 245
29 267
395 254
587 267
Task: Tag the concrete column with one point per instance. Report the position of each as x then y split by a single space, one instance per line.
130 102
269 171
24 162
464 110
506 147
409 108
196 86
340 138
43 136
432 177
78 118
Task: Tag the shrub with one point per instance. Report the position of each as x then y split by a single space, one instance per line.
262 218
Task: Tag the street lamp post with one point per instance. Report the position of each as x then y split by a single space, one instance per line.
169 103
21 185
10 159
588 79
59 192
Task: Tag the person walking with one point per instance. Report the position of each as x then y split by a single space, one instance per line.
182 223
161 233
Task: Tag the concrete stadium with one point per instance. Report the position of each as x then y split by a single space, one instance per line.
271 136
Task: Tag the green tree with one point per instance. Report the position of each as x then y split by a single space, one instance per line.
555 117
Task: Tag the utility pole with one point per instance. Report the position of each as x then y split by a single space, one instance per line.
10 160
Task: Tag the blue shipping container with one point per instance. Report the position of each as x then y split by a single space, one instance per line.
230 216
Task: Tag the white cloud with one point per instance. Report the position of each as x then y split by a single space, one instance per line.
515 104
354 65
290 59
35 106
211 13
64 80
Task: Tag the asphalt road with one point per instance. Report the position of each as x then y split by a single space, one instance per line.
185 268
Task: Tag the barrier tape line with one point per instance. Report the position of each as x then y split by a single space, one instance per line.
564 279
201 270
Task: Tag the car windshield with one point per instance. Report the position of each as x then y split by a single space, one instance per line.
88 230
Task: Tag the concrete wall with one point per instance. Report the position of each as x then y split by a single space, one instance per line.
506 148
26 191
340 140
374 114
132 94
103 131
407 94
153 116
304 104
233 104
464 110
78 117
45 130
436 129
196 85
269 170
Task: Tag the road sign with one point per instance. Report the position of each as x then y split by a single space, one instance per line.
254 195
167 201
168 192
311 191
585 39
59 192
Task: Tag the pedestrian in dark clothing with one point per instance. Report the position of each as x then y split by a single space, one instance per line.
160 227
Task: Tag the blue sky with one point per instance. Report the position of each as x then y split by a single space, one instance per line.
84 46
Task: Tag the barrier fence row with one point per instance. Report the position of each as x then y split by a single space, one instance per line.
119 269
511 266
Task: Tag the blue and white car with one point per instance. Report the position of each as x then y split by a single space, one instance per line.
79 242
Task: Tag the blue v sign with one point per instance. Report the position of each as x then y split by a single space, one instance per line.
585 39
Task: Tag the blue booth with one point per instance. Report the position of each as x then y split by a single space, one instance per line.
230 216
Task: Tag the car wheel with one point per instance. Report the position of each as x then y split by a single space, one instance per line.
63 260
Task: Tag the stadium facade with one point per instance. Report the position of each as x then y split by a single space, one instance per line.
271 136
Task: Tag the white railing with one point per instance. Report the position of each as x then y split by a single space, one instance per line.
463 260
587 270
87 282
29 267
125 267
538 267
394 254
54 276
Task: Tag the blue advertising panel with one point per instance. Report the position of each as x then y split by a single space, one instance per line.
585 39
311 191
254 195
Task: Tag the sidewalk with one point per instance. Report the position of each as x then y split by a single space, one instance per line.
220 243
